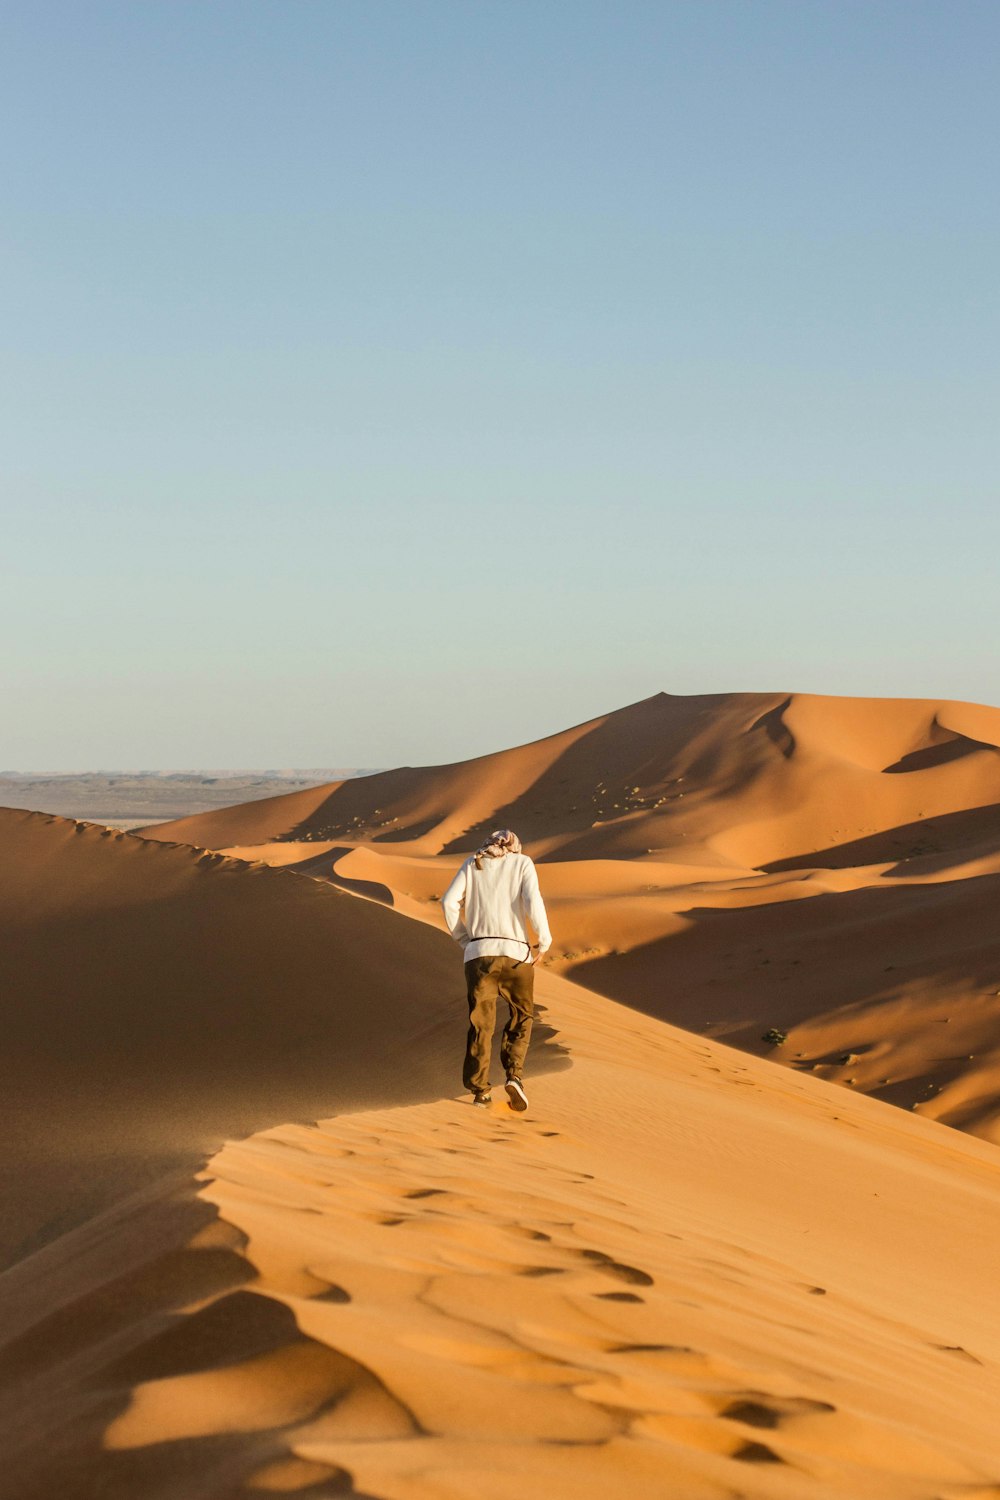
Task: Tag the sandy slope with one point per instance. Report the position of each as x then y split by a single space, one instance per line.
157 1000
746 780
685 1273
824 867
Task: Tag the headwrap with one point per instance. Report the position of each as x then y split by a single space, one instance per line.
500 842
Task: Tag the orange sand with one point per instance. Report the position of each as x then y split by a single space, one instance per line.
685 1273
825 867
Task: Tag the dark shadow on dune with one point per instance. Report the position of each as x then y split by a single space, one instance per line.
79 1304
207 1468
138 1035
738 972
178 1024
67 1196
943 836
354 809
774 726
36 1338
547 1054
250 1333
936 755
414 830
303 831
234 1328
629 762
198 1468
127 1300
635 762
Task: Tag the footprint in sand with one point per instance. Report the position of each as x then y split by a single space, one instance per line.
757 1453
332 1294
604 1262
649 1349
757 1413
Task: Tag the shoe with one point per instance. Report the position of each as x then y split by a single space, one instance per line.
482 1101
515 1093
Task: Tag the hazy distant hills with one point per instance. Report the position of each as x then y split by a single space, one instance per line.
128 799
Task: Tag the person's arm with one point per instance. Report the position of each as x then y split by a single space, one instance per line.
534 908
451 903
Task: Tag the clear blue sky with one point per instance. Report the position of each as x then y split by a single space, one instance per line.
391 381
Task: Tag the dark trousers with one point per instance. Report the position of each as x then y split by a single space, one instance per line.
514 981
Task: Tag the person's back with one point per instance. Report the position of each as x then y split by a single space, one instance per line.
498 896
492 907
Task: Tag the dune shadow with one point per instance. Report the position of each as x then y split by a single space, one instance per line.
601 776
236 1327
354 809
269 1008
269 1001
416 830
626 763
943 836
936 755
776 965
774 726
77 1306
547 1054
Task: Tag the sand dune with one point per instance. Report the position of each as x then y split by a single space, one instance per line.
822 867
685 1273
745 779
157 1000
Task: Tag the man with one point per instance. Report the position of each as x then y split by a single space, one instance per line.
489 907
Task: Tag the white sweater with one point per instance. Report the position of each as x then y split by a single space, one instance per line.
501 902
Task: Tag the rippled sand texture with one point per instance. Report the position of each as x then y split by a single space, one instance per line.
683 1273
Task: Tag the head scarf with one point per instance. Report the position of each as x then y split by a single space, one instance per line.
500 842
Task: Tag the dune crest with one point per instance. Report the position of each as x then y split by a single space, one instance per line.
758 777
824 868
680 1274
685 1272
159 998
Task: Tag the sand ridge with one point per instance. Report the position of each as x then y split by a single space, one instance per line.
677 1273
756 778
686 1272
822 868
158 999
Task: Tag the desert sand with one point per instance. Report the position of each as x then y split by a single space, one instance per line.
827 868
257 1241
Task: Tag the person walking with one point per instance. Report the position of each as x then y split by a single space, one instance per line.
492 907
